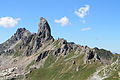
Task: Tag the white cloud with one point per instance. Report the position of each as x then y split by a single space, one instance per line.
63 21
83 11
86 29
8 22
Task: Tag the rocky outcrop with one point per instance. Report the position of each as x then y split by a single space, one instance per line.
35 41
20 34
95 54
44 31
30 43
42 55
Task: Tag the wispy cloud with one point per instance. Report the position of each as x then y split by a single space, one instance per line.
85 29
63 21
8 22
83 11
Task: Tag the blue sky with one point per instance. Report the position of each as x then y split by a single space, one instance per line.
97 26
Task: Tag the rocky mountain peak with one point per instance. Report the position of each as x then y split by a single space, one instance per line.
21 33
21 30
44 30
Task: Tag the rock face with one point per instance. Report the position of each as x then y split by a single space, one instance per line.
44 31
32 42
42 56
35 41
20 34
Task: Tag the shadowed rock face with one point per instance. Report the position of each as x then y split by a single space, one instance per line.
91 55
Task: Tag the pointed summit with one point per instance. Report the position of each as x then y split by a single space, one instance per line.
44 30
21 33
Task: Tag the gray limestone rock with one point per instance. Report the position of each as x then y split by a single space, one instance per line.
44 31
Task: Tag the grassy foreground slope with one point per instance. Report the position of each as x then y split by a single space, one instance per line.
64 68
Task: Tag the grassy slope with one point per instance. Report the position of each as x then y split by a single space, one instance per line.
114 74
112 70
63 69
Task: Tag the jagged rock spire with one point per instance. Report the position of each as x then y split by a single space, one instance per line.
21 33
44 30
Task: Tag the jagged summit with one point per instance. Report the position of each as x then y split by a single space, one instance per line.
21 29
44 30
21 32
35 41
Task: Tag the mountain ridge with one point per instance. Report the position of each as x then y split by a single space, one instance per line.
26 52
